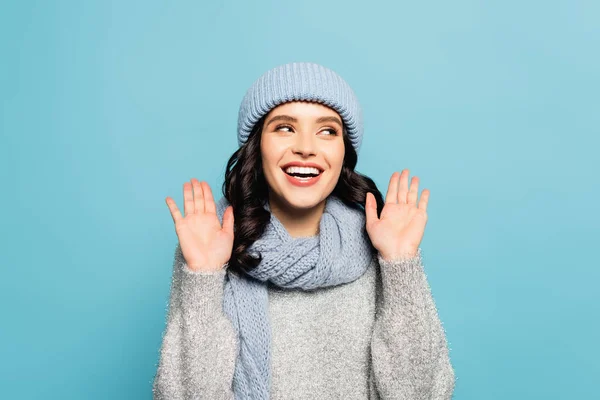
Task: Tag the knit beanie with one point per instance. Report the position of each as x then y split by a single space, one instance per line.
297 81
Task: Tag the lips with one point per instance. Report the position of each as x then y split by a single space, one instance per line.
302 182
301 164
301 179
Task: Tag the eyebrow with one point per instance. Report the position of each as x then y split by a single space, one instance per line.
292 119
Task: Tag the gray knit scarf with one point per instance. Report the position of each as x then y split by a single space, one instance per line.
340 253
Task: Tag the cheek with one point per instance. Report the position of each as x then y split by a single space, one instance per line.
271 157
336 157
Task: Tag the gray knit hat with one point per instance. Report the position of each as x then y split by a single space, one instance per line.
300 81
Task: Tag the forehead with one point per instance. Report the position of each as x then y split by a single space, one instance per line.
303 109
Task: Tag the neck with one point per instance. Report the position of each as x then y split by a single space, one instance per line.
298 222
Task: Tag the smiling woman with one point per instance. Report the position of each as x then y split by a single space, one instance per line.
294 133
307 138
301 282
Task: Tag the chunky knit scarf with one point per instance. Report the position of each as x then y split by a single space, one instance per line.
340 253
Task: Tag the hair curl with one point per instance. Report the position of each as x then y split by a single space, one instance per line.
246 189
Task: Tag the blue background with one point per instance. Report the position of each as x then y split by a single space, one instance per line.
109 107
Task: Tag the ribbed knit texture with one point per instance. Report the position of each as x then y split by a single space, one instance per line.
300 81
339 254
376 338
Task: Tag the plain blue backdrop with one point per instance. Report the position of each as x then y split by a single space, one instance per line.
109 107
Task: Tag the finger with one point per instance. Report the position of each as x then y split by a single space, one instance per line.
188 199
228 220
175 213
209 202
392 192
414 191
370 209
403 189
424 200
198 195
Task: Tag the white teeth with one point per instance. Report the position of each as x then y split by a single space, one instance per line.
302 170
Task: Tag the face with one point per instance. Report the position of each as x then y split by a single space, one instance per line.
308 138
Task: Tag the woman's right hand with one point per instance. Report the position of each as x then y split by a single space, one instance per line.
206 246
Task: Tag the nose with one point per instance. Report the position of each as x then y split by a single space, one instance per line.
304 145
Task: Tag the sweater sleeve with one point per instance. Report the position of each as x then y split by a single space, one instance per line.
409 353
199 345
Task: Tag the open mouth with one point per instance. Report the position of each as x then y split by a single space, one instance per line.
302 176
302 173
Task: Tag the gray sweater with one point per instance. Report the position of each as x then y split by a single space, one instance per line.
378 337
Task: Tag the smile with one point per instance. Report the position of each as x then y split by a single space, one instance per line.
299 176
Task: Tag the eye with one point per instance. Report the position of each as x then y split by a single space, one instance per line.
334 132
282 126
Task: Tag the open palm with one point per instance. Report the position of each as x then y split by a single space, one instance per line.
399 229
205 244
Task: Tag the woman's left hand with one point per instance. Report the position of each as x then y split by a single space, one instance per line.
400 229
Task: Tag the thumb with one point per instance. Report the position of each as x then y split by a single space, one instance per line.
228 220
371 209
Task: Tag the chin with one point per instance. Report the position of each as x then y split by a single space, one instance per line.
291 195
301 198
303 201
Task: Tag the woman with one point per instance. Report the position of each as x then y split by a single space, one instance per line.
301 282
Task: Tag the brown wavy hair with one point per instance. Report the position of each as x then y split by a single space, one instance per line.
246 189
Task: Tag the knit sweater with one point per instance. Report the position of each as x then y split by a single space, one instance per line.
378 337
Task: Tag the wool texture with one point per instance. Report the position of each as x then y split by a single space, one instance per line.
376 338
340 253
301 81
339 321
